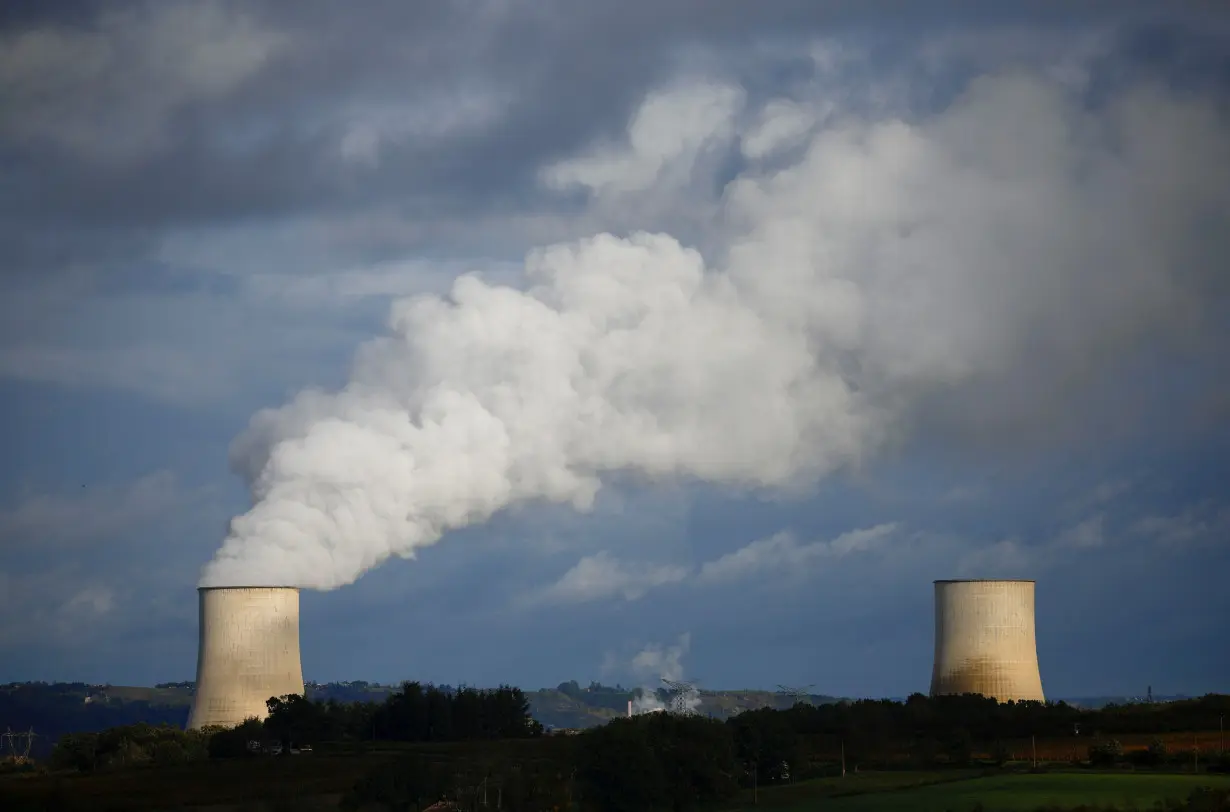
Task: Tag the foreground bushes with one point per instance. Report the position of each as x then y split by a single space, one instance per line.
658 761
417 782
1201 800
130 745
415 713
1105 753
645 764
1109 752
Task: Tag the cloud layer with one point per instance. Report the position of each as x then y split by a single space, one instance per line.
1003 253
980 248
603 576
58 519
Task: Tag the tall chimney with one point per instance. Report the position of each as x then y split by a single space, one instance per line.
249 652
985 640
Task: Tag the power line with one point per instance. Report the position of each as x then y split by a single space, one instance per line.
15 742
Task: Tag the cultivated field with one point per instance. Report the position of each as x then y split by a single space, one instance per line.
317 781
1056 749
1077 748
938 792
302 782
817 794
207 784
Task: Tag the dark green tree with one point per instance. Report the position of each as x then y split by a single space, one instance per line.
1105 753
233 742
766 740
959 747
293 720
657 761
76 751
619 768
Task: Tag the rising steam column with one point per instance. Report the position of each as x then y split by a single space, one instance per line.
985 640
249 652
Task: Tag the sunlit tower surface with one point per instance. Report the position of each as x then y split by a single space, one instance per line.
249 652
985 641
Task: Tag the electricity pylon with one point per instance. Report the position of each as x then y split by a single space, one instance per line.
682 696
800 696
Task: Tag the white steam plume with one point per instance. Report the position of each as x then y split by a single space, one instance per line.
661 662
1016 241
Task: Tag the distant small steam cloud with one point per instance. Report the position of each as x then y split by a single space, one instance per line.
665 662
987 257
655 663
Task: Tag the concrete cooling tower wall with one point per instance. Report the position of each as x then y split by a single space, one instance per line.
985 641
249 652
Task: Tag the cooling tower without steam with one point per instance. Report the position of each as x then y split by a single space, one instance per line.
985 641
249 652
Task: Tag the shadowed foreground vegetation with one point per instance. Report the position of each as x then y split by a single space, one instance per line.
1000 793
481 749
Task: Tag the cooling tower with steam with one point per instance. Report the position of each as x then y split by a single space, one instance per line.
249 652
985 641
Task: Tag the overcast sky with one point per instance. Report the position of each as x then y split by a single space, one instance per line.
766 315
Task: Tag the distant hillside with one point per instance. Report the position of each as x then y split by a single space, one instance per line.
567 706
180 693
354 691
55 709
1096 702
159 696
570 706
52 710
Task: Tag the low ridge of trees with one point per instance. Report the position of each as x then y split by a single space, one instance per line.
416 713
658 761
680 763
55 709
653 761
129 746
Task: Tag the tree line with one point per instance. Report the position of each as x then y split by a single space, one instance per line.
921 730
415 713
53 710
662 761
948 730
678 763
870 724
657 761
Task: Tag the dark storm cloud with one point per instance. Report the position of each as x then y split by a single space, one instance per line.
252 124
268 142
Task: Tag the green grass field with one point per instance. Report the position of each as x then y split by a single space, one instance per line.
807 794
925 792
303 782
316 782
